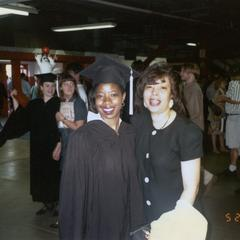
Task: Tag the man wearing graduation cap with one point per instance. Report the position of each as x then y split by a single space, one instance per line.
100 194
38 117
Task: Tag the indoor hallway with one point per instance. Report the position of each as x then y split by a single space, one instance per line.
17 211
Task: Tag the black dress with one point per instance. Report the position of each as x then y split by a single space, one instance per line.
160 153
100 195
39 118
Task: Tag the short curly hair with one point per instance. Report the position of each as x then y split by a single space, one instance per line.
150 76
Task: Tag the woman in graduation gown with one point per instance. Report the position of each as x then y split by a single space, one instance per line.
38 117
100 194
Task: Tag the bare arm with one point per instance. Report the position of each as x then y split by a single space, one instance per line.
225 99
57 151
191 177
71 124
13 95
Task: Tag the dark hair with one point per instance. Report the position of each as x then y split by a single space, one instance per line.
193 68
234 72
64 77
92 97
24 77
150 76
218 82
74 66
138 66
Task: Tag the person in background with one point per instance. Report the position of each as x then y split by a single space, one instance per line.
192 94
45 62
100 194
168 146
38 118
215 118
193 101
35 91
211 89
3 98
233 120
72 114
73 69
26 88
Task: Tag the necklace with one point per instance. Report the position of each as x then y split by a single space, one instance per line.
165 123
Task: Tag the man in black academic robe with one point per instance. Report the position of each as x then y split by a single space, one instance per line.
38 118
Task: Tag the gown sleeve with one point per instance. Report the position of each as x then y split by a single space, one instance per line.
136 199
73 188
17 124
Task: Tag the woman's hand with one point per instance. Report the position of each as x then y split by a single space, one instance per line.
59 117
57 152
13 93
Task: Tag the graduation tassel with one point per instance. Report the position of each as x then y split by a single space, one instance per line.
57 85
131 93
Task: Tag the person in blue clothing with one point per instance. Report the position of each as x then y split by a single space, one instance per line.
72 114
26 87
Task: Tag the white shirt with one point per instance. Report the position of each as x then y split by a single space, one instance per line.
233 92
45 63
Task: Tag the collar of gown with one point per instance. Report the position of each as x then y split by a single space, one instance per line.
96 116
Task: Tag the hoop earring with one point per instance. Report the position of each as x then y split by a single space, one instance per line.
171 103
144 104
123 104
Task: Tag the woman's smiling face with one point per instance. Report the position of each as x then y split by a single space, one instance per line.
48 89
108 100
157 96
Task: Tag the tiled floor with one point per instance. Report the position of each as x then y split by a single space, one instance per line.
222 205
17 211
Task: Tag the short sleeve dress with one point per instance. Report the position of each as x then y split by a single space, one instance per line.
160 153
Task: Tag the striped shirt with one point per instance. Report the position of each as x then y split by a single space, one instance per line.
233 92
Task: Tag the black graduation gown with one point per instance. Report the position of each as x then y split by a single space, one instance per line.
38 118
100 196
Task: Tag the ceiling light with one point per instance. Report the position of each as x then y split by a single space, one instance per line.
191 44
91 26
5 11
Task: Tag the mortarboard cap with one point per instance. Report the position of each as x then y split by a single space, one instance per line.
46 77
108 70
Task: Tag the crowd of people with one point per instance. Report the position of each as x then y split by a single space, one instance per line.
124 180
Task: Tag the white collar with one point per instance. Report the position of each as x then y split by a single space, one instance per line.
96 116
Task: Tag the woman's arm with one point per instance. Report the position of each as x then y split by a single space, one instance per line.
71 124
191 177
13 95
57 151
225 99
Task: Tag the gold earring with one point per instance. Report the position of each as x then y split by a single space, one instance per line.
171 103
